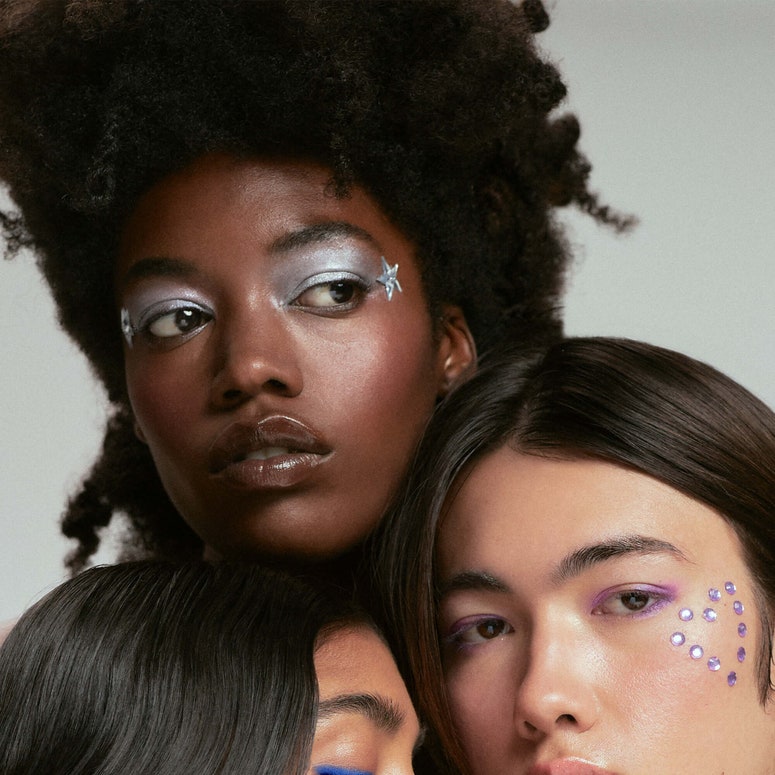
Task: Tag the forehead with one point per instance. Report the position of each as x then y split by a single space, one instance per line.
544 508
355 661
221 203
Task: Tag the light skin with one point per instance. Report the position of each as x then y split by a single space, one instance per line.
562 583
366 722
260 330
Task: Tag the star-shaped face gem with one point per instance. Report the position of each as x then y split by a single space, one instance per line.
388 278
126 326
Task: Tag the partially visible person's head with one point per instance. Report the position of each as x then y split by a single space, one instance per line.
154 668
436 114
594 575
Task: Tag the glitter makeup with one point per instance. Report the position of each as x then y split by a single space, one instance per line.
714 663
714 594
709 615
127 329
389 279
696 652
732 678
730 588
738 607
742 630
678 639
741 654
686 614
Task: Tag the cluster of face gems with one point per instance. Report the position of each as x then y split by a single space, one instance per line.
710 615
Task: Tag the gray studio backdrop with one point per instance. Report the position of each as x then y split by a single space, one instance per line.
675 100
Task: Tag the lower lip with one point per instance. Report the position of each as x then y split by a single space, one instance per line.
275 473
568 767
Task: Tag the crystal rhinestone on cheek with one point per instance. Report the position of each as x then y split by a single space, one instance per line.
741 654
732 678
685 615
696 652
709 615
738 607
714 663
714 594
730 588
677 639
742 630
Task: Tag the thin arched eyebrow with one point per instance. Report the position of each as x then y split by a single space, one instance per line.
319 233
381 711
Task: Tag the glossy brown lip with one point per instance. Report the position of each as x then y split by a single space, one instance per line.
233 445
568 767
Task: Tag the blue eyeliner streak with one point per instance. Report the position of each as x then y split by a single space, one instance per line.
328 769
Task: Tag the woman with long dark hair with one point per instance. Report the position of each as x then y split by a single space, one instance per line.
591 581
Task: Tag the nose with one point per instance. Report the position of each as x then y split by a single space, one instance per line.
256 354
558 691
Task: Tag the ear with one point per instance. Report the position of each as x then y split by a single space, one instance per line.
457 349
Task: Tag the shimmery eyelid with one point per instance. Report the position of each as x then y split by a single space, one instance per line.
328 277
663 594
139 302
331 770
155 311
467 623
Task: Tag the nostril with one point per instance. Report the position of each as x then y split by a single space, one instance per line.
276 384
566 718
231 395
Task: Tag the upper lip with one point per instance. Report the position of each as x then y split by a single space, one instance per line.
568 766
239 439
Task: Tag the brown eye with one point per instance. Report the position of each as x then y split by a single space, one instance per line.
178 322
332 294
635 601
491 628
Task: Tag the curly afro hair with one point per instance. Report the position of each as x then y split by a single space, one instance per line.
439 108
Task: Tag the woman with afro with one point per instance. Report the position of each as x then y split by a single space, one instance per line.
280 231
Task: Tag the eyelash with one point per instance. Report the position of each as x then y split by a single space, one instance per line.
658 599
466 628
330 279
157 312
329 769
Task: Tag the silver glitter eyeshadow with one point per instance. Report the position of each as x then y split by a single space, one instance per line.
714 594
709 615
685 614
714 663
732 678
730 588
678 639
696 652
738 607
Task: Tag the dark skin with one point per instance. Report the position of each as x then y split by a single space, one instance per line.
280 391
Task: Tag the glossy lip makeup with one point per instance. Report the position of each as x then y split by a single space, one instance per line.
274 453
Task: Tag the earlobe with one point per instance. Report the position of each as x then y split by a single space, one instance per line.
457 349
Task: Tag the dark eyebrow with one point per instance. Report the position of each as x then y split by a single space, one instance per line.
581 559
158 267
471 580
384 713
570 566
320 232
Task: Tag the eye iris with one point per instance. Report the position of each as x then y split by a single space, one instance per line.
634 601
341 292
490 629
187 319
